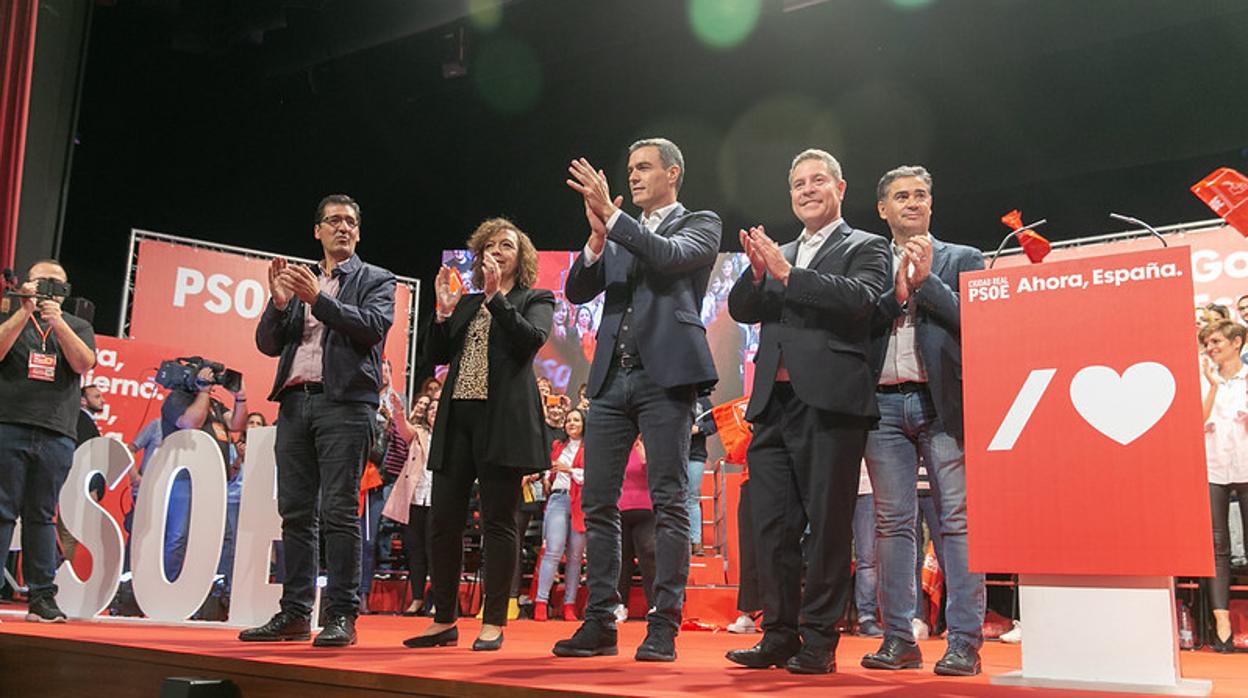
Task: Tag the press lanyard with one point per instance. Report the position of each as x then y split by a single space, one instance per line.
43 334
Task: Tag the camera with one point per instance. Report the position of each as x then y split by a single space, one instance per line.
182 373
46 290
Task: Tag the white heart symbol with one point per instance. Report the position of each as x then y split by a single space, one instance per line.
1123 408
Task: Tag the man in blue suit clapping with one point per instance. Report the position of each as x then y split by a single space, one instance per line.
651 358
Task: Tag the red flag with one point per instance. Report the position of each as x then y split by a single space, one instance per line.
1226 192
1033 243
734 431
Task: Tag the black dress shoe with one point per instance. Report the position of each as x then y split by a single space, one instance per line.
894 653
479 645
767 653
338 632
659 645
283 626
959 660
590 640
812 660
1226 646
445 638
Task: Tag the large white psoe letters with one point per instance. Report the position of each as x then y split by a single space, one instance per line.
160 599
91 524
253 600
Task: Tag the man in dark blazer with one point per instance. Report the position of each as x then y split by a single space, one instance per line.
812 403
328 325
917 363
651 358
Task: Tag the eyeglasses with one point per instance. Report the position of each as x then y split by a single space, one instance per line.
335 221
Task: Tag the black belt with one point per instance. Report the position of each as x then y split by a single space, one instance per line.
902 388
629 361
306 388
558 491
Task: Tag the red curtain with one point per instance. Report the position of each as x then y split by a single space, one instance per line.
17 56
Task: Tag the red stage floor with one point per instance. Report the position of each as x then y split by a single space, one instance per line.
379 665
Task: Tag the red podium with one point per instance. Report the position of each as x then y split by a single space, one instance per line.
1085 461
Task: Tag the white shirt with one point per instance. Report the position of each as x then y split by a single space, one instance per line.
1226 430
563 481
650 222
864 480
808 243
902 363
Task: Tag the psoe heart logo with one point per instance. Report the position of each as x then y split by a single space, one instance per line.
1122 407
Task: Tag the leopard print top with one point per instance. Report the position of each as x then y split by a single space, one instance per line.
474 364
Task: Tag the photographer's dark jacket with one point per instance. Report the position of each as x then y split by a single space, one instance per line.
53 406
356 322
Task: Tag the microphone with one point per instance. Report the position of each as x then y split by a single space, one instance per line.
10 279
1136 221
1011 234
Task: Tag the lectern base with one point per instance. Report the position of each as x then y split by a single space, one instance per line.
1184 687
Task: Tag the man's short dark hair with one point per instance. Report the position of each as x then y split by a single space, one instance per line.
341 199
881 189
49 260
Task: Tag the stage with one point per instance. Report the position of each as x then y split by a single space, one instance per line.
128 659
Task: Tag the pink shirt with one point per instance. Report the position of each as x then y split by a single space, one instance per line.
307 366
635 494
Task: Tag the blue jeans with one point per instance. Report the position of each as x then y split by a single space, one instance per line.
696 468
233 496
558 536
631 403
177 524
34 463
910 429
866 575
929 511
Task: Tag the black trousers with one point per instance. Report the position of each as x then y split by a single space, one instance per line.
417 544
748 594
804 465
1220 508
637 541
321 449
523 518
499 490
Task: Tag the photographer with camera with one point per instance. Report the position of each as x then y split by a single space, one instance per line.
43 353
190 405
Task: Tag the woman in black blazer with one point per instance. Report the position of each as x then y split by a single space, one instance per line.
489 424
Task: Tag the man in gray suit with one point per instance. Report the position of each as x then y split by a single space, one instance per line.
917 360
651 358
812 404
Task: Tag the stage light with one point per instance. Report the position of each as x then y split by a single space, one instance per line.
486 15
757 150
723 24
910 4
507 75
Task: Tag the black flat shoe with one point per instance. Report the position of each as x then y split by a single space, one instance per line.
446 638
1226 646
479 645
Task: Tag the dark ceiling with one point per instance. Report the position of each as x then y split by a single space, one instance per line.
226 121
